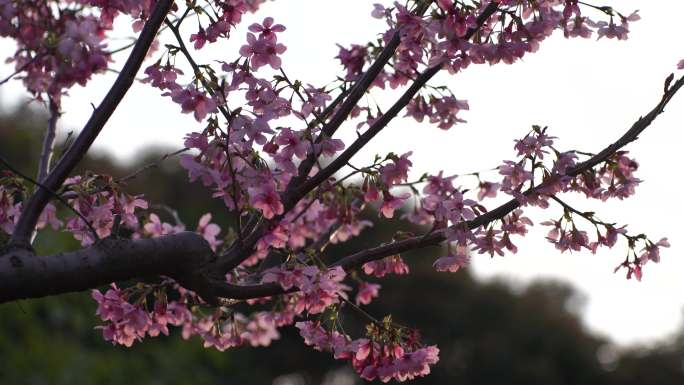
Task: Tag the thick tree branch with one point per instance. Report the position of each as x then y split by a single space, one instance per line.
180 256
35 205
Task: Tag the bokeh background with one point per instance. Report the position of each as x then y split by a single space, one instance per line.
538 317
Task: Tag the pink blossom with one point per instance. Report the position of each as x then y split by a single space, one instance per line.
48 216
199 38
193 100
209 231
352 60
452 262
367 291
397 171
128 205
379 11
260 330
652 251
266 199
162 77
262 51
292 144
393 264
155 227
489 243
612 30
316 98
487 190
267 30
445 111
514 176
391 202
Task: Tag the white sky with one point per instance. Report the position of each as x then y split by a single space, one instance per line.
588 92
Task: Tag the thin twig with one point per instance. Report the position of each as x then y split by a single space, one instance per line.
154 164
133 175
20 69
54 194
48 141
170 211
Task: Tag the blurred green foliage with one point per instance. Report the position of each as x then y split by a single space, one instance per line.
488 333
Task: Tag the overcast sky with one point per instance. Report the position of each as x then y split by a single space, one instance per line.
587 92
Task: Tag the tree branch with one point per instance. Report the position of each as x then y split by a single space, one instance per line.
358 259
34 206
181 256
356 93
48 141
188 258
384 120
299 186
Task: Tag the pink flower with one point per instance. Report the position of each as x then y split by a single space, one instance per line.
379 11
445 111
329 147
200 38
397 171
393 264
266 199
316 98
267 30
260 330
162 77
652 251
155 227
489 243
196 140
128 204
292 144
276 238
367 291
352 60
487 190
193 100
452 263
514 176
209 231
391 203
48 216
612 30
262 51
534 144
314 335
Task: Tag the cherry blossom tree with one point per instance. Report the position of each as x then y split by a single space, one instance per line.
265 145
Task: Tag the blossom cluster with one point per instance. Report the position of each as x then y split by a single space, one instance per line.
401 359
317 289
126 322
